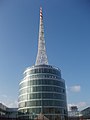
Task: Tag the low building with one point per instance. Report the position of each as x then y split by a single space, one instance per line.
12 113
8 113
86 113
2 109
73 114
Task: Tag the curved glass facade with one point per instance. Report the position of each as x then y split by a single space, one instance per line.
42 90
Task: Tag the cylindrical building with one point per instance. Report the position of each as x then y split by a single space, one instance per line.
42 90
42 93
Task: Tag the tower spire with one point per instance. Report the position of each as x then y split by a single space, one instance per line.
41 55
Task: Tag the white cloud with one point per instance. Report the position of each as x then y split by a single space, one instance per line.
5 96
12 104
69 105
80 105
9 102
75 88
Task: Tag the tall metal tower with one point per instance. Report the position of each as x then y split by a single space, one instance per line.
41 55
42 92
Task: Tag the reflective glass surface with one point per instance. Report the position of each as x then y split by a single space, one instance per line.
42 82
43 90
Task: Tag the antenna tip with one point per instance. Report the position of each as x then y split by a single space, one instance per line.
40 12
40 8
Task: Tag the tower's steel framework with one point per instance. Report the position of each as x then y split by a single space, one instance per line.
41 55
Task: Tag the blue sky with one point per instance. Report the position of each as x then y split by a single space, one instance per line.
67 36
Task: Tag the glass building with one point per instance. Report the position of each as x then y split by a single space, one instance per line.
42 89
